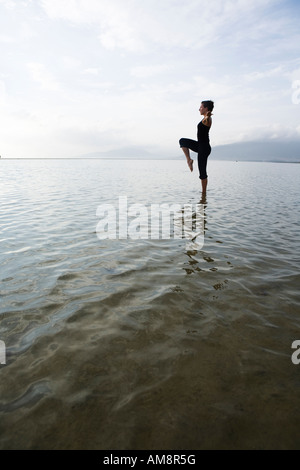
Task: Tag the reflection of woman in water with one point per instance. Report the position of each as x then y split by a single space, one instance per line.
202 145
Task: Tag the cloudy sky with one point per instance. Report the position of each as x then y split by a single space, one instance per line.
84 76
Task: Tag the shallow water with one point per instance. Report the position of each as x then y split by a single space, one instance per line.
149 343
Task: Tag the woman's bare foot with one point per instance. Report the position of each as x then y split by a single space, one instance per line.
190 163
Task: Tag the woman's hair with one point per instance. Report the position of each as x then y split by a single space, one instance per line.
208 104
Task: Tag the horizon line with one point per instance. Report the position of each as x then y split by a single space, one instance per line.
147 159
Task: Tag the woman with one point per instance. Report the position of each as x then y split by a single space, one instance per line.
202 145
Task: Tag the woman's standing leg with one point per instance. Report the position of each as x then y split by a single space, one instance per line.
202 163
204 185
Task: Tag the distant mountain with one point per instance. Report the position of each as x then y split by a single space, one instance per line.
269 151
263 151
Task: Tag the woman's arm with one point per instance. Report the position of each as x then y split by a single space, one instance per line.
207 121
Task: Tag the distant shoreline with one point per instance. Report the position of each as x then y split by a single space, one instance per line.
143 159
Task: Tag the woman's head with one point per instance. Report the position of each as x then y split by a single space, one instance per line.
206 107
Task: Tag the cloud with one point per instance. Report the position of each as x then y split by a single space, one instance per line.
43 77
2 92
295 75
259 75
7 39
111 73
8 4
145 71
91 71
171 23
273 132
113 18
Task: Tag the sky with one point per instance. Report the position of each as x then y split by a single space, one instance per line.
79 77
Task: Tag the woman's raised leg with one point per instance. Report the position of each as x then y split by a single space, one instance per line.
189 160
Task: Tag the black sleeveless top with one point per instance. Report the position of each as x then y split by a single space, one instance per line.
203 133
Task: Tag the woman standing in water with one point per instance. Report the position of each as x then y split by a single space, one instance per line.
202 145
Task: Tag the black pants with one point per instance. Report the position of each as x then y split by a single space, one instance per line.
203 151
